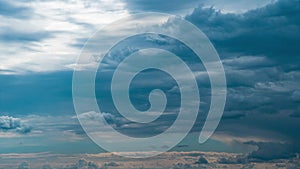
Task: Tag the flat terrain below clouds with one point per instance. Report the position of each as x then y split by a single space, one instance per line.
175 160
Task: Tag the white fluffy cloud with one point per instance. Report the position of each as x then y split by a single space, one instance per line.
9 126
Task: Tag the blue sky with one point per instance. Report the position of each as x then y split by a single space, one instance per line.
257 42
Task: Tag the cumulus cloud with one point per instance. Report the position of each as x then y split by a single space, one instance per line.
94 117
11 124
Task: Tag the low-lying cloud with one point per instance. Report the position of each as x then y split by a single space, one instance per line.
12 124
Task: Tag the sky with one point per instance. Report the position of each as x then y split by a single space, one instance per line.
257 42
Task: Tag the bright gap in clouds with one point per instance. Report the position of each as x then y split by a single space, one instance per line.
50 36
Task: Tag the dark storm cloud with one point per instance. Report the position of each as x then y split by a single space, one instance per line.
266 151
275 135
260 53
9 9
177 6
272 31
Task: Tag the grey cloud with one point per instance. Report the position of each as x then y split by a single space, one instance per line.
265 90
125 126
111 164
9 9
233 115
9 35
271 30
177 6
240 159
296 96
266 151
7 122
201 160
160 6
46 166
259 126
295 115
109 117
83 164
247 62
271 151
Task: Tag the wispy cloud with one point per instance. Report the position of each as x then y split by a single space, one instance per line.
41 36
15 10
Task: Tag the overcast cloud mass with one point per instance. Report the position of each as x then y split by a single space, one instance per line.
257 41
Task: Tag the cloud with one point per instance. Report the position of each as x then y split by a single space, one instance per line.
83 164
182 7
258 49
9 35
233 160
94 117
46 166
260 31
261 60
266 151
111 164
24 165
46 39
122 124
201 160
247 62
296 96
271 151
12 9
233 115
275 135
160 6
11 124
176 160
